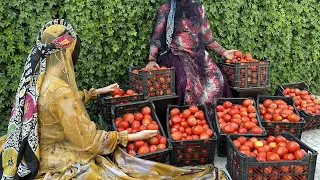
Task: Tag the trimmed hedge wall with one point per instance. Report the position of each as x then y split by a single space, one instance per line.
115 35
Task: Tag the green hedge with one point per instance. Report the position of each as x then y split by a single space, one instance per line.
115 35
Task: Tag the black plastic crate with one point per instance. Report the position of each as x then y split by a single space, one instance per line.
107 101
222 137
121 109
272 127
192 152
247 75
154 83
243 167
312 120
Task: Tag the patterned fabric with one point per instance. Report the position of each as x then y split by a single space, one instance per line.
20 153
204 81
170 23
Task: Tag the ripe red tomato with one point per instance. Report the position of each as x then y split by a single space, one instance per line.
204 136
116 91
154 141
193 109
236 143
292 146
220 108
138 144
195 136
174 111
123 124
143 127
227 104
228 129
273 157
244 147
176 119
135 124
251 109
177 135
146 110
293 118
299 154
281 151
146 121
289 157
152 126
197 130
279 139
199 115
132 153
242 139
270 139
249 144
209 132
238 54
192 121
188 131
253 139
242 130
153 148
143 150
247 102
138 116
184 124
248 57
186 113
226 118
249 125
128 117
147 116
163 140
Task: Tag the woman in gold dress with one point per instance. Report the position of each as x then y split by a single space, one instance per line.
50 135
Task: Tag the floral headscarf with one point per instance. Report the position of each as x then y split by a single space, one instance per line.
20 154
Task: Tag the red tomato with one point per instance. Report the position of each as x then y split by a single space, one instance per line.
163 140
152 126
184 124
123 124
188 131
251 109
209 132
281 151
153 148
248 57
176 135
128 117
204 136
146 110
143 127
271 139
244 147
116 91
197 130
199 115
242 139
132 153
146 121
154 141
193 109
299 154
256 130
237 121
249 125
242 130
267 116
220 108
236 143
220 114
186 113
143 150
227 104
289 157
273 157
192 121
228 129
195 136
227 118
243 114
176 119
253 139
138 144
249 144
138 116
174 111
238 54
147 116
161 146
292 146
135 124
280 138
293 118
247 102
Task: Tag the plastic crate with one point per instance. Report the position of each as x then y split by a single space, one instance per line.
192 152
248 75
107 101
222 137
243 167
153 84
272 127
121 109
312 120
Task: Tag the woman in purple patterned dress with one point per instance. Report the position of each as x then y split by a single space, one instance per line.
182 32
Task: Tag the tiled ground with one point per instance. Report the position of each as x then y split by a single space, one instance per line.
311 138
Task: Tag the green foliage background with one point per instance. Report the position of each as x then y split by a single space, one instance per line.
115 35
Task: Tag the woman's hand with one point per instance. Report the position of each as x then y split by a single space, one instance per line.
229 53
142 135
152 64
107 89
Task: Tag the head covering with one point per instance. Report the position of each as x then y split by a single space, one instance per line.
20 154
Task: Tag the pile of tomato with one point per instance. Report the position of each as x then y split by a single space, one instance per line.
278 111
274 148
159 81
238 119
137 122
304 100
117 92
189 124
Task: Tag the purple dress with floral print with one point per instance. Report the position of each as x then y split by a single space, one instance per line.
198 79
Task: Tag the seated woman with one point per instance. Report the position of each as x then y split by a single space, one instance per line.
182 32
50 135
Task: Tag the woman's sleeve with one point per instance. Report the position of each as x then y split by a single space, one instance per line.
79 130
207 36
86 95
159 32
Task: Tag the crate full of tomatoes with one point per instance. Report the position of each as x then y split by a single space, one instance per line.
279 114
271 157
191 134
138 116
244 72
236 116
118 96
307 103
152 83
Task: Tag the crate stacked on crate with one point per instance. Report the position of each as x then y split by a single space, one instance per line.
138 116
236 116
191 134
271 157
307 103
246 73
118 96
279 114
152 83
